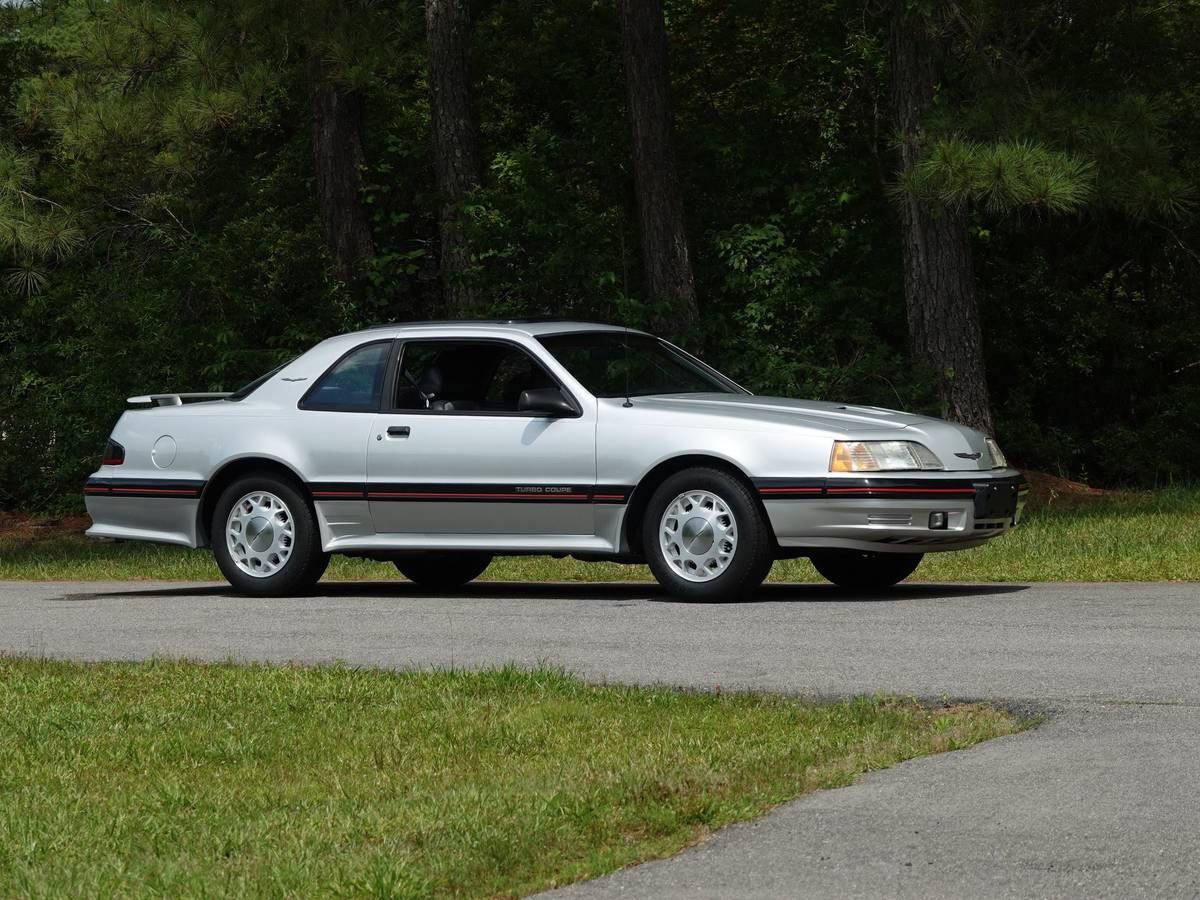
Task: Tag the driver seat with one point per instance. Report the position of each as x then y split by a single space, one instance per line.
432 384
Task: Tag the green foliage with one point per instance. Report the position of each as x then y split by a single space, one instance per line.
1000 177
34 231
540 249
803 326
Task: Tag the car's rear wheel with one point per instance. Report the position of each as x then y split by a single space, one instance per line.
265 537
861 570
705 538
443 571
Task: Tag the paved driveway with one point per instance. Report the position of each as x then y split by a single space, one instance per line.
1101 800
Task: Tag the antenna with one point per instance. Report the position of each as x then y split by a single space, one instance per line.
625 340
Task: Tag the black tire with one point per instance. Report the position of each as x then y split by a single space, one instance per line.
443 571
305 563
754 551
861 570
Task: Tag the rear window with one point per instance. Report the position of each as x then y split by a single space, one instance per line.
249 388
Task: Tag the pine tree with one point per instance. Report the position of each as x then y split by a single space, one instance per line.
979 135
456 157
146 89
666 254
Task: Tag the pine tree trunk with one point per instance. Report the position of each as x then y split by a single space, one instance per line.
939 280
338 158
666 258
455 144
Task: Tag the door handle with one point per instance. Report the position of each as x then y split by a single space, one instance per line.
401 431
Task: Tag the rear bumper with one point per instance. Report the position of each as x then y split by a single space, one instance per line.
160 511
886 514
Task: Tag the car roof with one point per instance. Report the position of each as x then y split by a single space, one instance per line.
532 327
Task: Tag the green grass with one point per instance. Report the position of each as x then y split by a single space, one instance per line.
181 780
1119 537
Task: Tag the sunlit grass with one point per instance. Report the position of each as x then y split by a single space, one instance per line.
1120 537
180 780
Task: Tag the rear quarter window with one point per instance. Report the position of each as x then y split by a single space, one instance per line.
354 383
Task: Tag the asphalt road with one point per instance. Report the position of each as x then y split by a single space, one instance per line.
1103 799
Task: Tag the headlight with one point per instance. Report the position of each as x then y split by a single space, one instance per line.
881 456
998 460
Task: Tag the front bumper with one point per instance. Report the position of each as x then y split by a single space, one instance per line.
892 514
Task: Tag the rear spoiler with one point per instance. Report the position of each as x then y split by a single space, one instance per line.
174 399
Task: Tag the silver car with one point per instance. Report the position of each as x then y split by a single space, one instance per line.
439 445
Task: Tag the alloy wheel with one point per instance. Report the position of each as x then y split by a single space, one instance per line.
698 535
260 534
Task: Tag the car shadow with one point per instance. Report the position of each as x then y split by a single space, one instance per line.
624 593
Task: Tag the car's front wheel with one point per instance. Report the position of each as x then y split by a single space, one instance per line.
705 538
265 537
861 570
443 571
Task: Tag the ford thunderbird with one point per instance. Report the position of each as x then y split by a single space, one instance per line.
437 446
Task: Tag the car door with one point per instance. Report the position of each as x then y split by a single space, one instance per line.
333 430
453 453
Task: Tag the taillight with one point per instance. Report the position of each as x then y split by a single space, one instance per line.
114 454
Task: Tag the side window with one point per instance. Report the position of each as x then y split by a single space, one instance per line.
466 376
355 382
516 371
418 374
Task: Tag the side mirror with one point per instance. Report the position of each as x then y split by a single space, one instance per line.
549 401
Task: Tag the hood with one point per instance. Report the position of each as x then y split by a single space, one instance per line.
838 420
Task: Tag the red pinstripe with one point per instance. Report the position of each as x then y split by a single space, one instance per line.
478 496
896 490
140 490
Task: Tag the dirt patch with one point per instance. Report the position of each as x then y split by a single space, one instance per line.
1050 490
19 525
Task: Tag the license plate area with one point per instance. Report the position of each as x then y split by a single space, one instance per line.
996 501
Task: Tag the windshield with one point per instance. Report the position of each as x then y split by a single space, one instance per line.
617 364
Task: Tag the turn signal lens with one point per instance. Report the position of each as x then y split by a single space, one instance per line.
882 456
998 460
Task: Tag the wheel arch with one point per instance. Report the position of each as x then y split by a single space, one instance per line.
229 472
635 511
